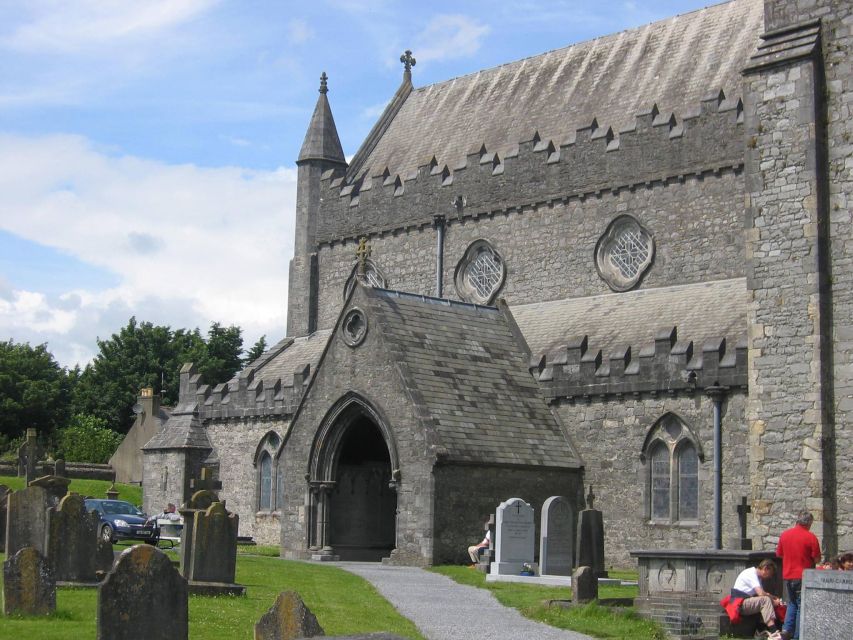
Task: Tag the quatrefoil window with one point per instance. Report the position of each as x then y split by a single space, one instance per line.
354 327
624 253
480 274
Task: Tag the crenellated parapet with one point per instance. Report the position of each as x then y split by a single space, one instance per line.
575 371
246 395
659 148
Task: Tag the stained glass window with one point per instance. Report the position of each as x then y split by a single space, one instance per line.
688 483
660 481
265 503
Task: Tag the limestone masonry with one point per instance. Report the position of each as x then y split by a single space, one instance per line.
565 271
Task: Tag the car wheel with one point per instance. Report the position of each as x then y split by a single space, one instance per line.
107 533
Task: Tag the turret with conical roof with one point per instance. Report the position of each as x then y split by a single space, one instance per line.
320 152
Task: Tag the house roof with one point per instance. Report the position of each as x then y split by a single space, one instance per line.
290 355
699 311
673 63
466 369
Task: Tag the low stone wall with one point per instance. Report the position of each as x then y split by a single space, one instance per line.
73 470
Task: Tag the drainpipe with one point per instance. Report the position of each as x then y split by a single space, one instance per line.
439 223
717 394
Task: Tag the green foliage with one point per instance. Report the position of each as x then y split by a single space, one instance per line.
256 351
34 391
87 439
343 603
145 355
90 488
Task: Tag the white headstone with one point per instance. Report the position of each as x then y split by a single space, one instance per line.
556 537
826 604
515 537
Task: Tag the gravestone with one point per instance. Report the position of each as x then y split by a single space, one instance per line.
556 537
590 539
209 547
584 585
112 492
143 597
26 524
59 468
515 533
288 619
28 455
4 493
72 540
826 604
104 558
29 587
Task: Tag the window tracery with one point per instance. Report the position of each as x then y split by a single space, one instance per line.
624 253
480 273
672 454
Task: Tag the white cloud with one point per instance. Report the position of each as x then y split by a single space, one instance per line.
298 31
68 27
190 245
450 36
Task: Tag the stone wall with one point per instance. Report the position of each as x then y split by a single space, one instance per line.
609 434
465 495
235 443
549 249
164 478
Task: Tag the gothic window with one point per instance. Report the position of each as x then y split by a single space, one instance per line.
371 275
480 274
268 474
624 253
265 502
672 455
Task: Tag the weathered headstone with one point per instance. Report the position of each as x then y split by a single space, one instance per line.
556 537
143 597
112 492
72 540
209 547
28 455
584 585
26 524
4 494
590 538
826 604
515 533
104 558
288 619
29 587
59 468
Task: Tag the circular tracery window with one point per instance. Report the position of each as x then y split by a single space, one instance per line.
480 273
354 327
624 253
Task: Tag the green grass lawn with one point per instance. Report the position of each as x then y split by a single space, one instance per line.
593 619
94 488
343 603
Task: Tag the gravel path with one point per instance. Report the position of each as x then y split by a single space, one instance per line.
445 610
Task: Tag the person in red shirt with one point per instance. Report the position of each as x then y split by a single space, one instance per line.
799 549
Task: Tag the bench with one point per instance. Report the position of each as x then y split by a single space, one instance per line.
170 531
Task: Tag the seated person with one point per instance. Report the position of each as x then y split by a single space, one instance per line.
475 551
169 513
753 598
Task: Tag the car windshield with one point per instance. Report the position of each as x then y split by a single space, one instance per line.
117 507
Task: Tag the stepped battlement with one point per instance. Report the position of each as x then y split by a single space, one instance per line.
667 365
660 147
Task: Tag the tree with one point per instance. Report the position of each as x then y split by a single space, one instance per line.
256 351
224 347
34 391
87 439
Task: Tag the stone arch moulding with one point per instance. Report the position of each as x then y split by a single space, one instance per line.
270 442
480 274
624 253
660 426
326 446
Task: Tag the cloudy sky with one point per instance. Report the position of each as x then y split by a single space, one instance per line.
147 147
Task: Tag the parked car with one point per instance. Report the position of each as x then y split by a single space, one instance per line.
120 520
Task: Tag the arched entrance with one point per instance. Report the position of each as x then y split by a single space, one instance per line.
353 481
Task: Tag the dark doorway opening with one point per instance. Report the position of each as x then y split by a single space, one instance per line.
363 506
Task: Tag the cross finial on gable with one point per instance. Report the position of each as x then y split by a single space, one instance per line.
324 87
362 253
408 61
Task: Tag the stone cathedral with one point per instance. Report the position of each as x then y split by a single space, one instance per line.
627 263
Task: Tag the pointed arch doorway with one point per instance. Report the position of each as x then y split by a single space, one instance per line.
353 482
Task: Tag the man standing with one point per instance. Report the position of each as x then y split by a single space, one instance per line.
799 549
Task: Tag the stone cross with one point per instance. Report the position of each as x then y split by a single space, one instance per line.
206 483
362 253
408 61
28 456
324 87
742 509
590 498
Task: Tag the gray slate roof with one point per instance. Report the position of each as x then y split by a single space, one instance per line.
673 63
467 372
289 355
183 430
700 311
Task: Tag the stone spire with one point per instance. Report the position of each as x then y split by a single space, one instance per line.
321 140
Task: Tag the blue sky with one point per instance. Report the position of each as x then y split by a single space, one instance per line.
147 147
